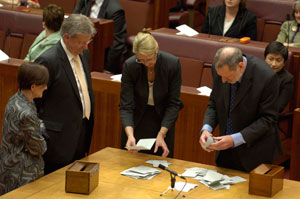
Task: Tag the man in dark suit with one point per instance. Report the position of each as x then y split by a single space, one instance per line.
67 107
243 103
108 9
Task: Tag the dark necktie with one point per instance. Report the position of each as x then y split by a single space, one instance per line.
233 89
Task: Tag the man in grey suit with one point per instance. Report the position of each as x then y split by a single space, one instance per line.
108 9
243 103
67 107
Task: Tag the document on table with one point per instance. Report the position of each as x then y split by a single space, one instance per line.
186 30
204 90
116 78
143 144
186 186
3 56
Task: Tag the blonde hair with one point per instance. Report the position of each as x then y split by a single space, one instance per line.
144 43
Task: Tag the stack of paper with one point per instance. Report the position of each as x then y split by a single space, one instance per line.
141 172
185 187
155 163
116 78
212 178
3 56
186 30
204 90
143 144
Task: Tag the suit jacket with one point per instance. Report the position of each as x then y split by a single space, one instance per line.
110 9
286 85
166 90
254 113
244 24
41 44
287 30
61 107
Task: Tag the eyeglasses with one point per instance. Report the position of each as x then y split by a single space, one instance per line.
85 42
152 59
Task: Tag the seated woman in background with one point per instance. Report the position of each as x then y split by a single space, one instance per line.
276 54
28 3
150 96
53 17
289 33
22 143
230 20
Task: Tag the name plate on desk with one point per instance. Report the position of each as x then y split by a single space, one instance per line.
266 180
82 177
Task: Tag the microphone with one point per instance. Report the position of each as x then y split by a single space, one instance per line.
288 36
169 170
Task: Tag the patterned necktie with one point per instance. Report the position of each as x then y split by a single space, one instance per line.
233 89
83 87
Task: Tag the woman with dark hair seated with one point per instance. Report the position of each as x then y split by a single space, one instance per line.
232 19
53 17
22 143
276 54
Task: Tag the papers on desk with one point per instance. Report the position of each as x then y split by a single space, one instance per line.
3 56
204 90
141 172
143 144
187 187
186 30
155 163
1 5
212 178
116 78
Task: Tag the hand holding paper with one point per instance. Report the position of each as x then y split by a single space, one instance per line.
143 144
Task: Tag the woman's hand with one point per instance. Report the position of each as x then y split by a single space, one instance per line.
130 139
160 142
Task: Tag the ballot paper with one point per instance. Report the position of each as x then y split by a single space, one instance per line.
143 144
141 172
209 141
211 178
186 30
116 78
3 56
204 90
179 185
155 163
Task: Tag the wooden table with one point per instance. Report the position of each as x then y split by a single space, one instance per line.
113 185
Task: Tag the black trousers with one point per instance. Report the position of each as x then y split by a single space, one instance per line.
229 159
79 151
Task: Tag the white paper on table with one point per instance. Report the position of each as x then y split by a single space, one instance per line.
237 179
1 5
143 144
187 188
186 30
212 176
116 78
204 90
3 56
155 163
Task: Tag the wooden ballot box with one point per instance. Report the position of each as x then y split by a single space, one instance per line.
82 177
266 180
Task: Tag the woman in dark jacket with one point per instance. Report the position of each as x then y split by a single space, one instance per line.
231 20
150 95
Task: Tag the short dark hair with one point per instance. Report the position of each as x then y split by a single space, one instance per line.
30 73
277 48
230 56
53 16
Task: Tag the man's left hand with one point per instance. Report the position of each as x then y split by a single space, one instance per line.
224 142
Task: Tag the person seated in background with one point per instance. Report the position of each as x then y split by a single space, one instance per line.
150 96
27 3
108 9
289 31
276 54
231 20
53 17
22 143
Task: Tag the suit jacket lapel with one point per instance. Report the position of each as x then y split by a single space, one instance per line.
103 9
65 64
245 85
220 20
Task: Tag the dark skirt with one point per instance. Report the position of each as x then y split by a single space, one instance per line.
148 127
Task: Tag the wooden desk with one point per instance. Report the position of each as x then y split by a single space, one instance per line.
23 21
113 185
